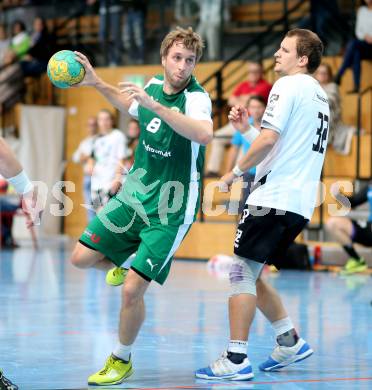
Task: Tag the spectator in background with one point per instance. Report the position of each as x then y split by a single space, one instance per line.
340 135
239 145
11 82
254 85
134 30
20 42
83 156
110 28
109 151
35 62
133 134
358 48
185 13
209 28
4 45
8 206
347 231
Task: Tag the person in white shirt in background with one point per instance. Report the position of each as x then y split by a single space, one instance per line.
83 156
289 154
110 149
358 48
209 27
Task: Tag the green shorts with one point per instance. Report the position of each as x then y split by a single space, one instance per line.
118 231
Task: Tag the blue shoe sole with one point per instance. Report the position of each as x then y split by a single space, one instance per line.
279 366
238 377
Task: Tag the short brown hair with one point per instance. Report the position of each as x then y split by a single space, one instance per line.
308 44
190 39
258 98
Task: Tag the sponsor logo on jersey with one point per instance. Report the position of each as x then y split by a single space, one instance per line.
273 98
271 105
162 153
93 236
321 98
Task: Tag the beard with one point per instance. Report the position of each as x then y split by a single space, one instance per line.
175 82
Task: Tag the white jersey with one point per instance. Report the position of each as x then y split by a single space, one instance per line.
108 151
84 149
298 110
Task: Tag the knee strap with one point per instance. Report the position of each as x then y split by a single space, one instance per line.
243 276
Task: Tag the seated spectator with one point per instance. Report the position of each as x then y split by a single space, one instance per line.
35 62
340 135
254 85
8 206
239 145
109 152
20 42
82 156
11 82
358 48
347 231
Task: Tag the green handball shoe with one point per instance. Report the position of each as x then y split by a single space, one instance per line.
116 276
354 266
113 373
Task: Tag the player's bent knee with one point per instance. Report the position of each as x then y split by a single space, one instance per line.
79 257
243 276
134 288
75 258
131 294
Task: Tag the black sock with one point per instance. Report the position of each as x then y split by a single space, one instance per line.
288 339
235 357
349 249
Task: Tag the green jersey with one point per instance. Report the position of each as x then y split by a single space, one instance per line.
163 186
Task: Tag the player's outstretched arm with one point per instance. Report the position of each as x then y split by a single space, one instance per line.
13 172
259 149
200 131
121 101
9 165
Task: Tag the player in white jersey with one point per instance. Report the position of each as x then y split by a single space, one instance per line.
289 153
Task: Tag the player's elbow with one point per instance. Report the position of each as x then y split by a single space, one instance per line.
206 136
269 139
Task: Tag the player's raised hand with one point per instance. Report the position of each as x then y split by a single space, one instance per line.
90 78
139 94
238 116
33 207
226 181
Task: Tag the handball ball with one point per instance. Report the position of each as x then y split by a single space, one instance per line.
64 70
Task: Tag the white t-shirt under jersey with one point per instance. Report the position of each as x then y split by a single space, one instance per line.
298 110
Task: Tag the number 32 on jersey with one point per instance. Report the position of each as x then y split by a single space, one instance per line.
321 133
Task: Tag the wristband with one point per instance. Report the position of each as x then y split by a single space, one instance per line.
237 171
251 134
21 182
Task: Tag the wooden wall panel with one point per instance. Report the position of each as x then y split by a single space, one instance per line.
83 102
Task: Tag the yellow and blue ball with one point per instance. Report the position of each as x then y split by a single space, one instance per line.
63 69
